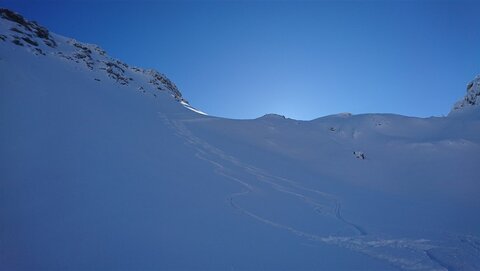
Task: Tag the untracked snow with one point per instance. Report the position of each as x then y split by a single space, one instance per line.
106 166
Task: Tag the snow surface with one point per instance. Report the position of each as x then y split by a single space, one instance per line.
100 171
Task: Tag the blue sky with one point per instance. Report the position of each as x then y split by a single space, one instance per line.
299 59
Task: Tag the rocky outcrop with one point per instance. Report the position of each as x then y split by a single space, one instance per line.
27 30
472 98
29 35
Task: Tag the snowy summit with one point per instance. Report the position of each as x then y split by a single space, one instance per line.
472 99
39 41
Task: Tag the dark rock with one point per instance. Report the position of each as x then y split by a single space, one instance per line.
41 32
29 41
116 72
82 47
160 79
39 51
17 42
50 43
80 56
13 16
360 155
33 27
14 29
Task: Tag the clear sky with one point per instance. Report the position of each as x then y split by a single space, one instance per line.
299 59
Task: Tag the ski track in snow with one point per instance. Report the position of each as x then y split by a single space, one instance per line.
405 254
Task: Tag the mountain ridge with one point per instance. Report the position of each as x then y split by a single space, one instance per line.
39 40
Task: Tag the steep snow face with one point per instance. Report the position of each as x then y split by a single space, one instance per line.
472 98
39 41
100 171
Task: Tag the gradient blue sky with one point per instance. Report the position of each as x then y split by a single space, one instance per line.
299 59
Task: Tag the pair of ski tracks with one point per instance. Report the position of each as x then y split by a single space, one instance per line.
204 150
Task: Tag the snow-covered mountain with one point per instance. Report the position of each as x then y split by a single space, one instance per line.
472 99
40 42
106 166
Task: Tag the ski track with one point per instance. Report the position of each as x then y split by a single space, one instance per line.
391 251
440 262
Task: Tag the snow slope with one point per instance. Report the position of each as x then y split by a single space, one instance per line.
106 166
